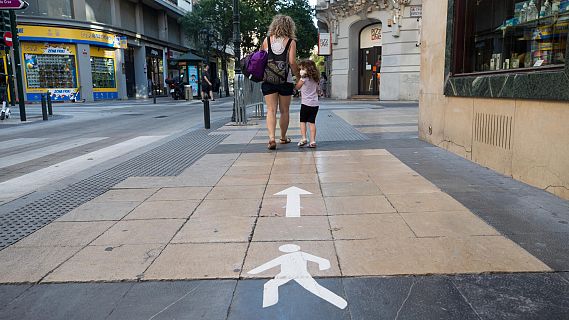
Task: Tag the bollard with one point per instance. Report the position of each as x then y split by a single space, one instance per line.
43 107
49 108
206 113
153 94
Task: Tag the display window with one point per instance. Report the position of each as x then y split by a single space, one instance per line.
497 36
103 71
155 70
50 67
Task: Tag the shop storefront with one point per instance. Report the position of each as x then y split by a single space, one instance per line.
103 70
496 90
370 60
155 70
51 62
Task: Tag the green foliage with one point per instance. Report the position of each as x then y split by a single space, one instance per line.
319 60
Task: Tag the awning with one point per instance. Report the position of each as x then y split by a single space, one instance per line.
189 57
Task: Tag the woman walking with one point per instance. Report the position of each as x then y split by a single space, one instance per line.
278 85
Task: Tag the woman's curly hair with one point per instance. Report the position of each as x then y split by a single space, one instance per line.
311 70
282 26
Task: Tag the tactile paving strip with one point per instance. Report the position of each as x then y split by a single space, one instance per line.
169 159
331 127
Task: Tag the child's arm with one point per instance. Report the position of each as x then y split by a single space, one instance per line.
299 84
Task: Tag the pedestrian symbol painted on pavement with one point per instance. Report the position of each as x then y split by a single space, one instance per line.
294 266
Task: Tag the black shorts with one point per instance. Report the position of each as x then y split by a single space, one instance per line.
308 113
206 88
284 89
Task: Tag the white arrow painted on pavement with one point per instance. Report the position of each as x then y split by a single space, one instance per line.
292 200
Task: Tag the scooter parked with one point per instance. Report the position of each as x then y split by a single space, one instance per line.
176 87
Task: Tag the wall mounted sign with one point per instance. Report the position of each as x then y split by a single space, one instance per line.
416 11
325 44
371 36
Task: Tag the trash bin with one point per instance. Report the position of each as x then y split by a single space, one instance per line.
188 92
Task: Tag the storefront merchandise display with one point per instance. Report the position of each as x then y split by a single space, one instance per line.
103 71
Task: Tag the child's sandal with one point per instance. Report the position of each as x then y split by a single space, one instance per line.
302 143
312 145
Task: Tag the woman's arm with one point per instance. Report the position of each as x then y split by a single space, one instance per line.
292 59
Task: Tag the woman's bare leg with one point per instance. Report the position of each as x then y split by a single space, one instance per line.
284 106
272 101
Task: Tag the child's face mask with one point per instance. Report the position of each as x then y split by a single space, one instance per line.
302 73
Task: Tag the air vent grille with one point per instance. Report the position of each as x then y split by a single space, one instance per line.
493 129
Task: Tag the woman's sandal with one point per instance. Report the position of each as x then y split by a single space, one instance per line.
272 145
312 145
285 141
302 143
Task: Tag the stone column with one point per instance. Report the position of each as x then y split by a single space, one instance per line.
162 26
85 75
121 77
116 13
140 72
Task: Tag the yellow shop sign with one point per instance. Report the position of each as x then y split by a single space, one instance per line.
66 35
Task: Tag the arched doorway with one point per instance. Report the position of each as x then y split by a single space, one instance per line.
369 61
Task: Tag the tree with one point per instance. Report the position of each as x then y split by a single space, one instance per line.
306 33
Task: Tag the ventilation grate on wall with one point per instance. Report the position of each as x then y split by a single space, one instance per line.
493 129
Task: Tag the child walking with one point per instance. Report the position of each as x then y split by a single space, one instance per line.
309 89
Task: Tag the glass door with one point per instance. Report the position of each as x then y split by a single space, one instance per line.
369 67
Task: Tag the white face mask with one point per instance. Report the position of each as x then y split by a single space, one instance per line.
302 73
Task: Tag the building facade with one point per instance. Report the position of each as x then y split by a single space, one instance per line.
374 47
100 49
495 86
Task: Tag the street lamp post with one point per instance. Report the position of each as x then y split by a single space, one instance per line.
237 54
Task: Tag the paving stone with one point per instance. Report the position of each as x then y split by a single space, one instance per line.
335 177
293 179
67 301
406 298
262 252
551 248
249 180
31 264
140 232
216 229
447 224
290 229
94 211
106 263
370 226
276 207
65 234
423 202
126 195
294 302
525 220
293 169
9 292
313 188
198 261
358 204
237 192
248 170
516 296
228 207
434 256
184 193
340 167
163 210
346 189
176 300
401 186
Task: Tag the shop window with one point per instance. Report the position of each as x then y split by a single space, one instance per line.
52 8
509 35
103 71
50 71
98 11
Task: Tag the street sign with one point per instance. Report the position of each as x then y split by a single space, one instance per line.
8 38
13 4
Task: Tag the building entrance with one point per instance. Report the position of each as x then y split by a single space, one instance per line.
129 72
369 64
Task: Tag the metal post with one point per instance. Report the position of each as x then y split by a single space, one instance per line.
237 53
206 116
153 93
43 107
18 64
49 109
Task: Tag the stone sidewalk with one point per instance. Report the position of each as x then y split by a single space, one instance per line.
375 209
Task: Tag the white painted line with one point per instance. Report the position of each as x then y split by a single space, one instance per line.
30 182
45 151
19 142
294 266
292 200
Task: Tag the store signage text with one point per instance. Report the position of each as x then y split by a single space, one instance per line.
324 44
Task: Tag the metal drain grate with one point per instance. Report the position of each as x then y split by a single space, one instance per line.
169 159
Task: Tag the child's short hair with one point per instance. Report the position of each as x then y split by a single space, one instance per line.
311 70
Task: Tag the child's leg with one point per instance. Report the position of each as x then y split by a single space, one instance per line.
312 126
303 131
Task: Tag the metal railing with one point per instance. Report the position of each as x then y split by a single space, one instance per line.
248 94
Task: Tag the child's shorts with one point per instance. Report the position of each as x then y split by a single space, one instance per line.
308 113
